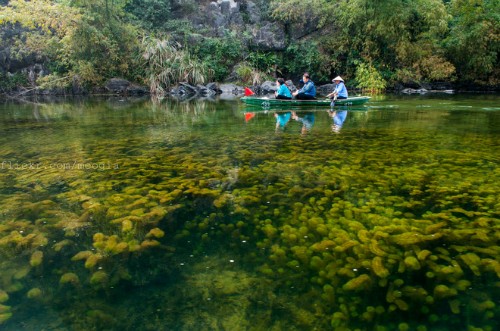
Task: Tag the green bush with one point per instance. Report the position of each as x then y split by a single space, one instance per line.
221 55
266 62
149 14
305 56
369 79
11 81
168 64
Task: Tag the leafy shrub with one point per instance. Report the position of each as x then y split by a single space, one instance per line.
167 64
150 14
369 79
435 68
264 61
306 56
11 81
219 54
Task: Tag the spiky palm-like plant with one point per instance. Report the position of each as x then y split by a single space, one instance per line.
168 64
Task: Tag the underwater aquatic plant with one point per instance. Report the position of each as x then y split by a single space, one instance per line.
34 293
385 237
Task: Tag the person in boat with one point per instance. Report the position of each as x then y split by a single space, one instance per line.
283 92
308 91
340 91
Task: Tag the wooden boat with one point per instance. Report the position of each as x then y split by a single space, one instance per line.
267 103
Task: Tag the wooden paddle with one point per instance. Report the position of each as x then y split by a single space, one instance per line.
333 100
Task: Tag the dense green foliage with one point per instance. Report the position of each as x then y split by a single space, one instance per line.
220 54
167 63
300 57
474 40
374 44
102 45
12 81
400 39
150 14
83 40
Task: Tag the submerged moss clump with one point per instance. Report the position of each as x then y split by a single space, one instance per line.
386 238
99 278
34 293
4 317
383 237
69 278
4 296
36 258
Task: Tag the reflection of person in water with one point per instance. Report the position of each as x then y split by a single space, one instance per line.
282 119
307 121
338 117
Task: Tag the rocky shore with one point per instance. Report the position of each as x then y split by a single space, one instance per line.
123 87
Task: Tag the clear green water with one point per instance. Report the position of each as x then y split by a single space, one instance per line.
128 215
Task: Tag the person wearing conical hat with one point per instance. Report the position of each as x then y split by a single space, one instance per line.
340 91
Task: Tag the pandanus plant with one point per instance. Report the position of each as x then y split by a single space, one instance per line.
168 64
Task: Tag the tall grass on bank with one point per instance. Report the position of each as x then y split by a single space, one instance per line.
167 64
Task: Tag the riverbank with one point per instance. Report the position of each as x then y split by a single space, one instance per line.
123 87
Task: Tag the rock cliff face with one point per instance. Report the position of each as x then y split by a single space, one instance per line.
246 17
9 63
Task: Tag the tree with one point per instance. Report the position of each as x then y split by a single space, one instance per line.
83 39
150 14
103 45
474 40
388 36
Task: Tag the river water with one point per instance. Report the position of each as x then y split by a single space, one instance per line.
125 214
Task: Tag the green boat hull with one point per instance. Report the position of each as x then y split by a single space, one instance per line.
267 103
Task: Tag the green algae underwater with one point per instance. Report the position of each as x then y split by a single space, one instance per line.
131 215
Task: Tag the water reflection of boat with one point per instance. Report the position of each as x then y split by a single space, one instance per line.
257 109
267 103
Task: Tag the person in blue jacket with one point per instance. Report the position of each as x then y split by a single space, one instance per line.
283 92
308 91
340 91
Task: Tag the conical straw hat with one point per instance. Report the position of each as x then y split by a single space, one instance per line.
337 78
